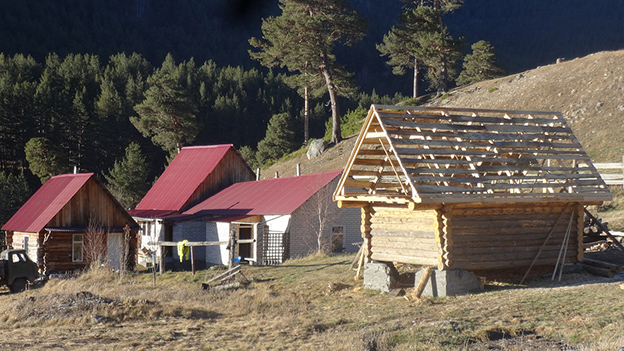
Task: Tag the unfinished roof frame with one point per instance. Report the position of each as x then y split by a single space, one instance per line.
418 155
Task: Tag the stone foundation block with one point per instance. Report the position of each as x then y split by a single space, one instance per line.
379 276
449 283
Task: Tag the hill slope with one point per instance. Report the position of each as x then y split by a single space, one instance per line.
587 91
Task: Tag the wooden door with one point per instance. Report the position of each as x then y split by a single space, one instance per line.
115 250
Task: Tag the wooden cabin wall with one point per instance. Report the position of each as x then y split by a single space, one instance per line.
231 169
90 202
403 235
498 236
58 251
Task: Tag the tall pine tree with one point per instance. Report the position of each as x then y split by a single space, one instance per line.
421 38
167 115
403 43
303 38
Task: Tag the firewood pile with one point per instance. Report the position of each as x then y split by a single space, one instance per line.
596 234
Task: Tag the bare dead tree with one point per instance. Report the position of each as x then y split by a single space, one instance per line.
95 244
319 212
125 262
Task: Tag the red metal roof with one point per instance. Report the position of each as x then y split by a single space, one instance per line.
265 197
46 202
149 213
182 177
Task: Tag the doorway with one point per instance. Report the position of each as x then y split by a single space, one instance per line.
115 250
245 242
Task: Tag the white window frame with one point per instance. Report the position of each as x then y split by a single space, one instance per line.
77 241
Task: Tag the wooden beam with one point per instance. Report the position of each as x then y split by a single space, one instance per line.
351 204
192 243
193 259
422 283
544 244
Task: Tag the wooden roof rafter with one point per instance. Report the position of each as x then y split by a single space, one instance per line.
464 155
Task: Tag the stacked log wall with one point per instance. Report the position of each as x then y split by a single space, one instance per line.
403 235
484 237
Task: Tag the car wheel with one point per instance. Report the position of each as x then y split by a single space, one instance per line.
18 285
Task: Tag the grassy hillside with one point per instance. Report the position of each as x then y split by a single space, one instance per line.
308 304
587 91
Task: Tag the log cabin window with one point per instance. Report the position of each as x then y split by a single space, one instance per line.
77 248
337 239
26 243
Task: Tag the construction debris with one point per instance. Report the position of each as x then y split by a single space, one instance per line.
226 280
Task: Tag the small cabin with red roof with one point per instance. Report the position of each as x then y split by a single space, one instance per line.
192 176
58 224
270 220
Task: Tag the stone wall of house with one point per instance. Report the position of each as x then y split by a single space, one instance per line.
19 239
191 231
303 237
217 254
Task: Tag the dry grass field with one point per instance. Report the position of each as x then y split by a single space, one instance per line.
308 304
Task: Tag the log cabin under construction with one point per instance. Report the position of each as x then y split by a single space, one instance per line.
469 189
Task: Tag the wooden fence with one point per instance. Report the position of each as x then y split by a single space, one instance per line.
612 173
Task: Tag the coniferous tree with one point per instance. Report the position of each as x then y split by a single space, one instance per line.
249 155
309 86
167 115
45 159
14 192
403 43
305 35
279 139
18 76
480 65
127 180
422 38
441 50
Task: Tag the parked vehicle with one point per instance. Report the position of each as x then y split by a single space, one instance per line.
17 270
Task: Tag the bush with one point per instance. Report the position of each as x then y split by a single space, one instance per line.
350 124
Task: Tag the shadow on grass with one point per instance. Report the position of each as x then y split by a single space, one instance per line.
315 267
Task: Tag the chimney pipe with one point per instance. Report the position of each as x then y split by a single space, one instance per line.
75 169
298 169
257 173
276 174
